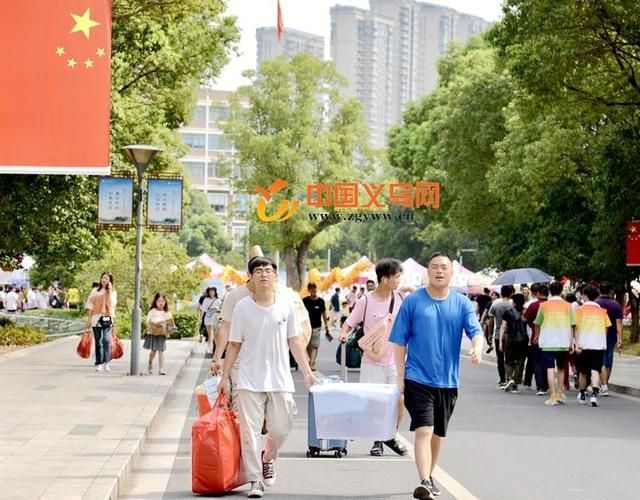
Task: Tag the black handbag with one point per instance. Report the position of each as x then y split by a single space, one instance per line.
105 321
358 331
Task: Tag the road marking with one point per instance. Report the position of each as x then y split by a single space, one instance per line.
448 483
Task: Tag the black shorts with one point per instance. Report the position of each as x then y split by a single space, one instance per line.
429 406
590 359
551 359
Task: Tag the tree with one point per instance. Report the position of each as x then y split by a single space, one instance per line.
202 231
164 271
298 128
161 51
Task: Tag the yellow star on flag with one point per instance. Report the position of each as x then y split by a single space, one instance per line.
100 52
88 63
633 229
84 23
60 51
71 63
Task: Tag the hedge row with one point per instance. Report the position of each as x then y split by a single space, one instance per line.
11 334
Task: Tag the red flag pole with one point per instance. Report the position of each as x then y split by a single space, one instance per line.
280 24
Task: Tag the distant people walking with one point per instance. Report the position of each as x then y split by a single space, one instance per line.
590 343
496 311
614 332
317 314
11 301
160 326
101 305
514 342
210 308
556 320
336 309
352 298
428 332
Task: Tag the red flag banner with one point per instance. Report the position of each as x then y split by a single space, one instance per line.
54 89
280 23
633 243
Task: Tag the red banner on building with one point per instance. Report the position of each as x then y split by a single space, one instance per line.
280 23
633 243
55 86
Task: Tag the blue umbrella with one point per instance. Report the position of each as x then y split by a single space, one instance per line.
522 275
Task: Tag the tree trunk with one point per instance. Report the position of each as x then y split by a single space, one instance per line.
293 277
295 258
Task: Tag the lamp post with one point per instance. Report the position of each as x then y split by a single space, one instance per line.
140 155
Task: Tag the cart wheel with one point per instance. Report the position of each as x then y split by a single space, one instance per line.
316 453
337 454
308 454
344 451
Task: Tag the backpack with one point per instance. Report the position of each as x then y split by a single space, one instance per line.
517 331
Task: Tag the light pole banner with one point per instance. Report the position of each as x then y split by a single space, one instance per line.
164 204
115 203
55 61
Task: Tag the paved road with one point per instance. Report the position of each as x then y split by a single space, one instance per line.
500 446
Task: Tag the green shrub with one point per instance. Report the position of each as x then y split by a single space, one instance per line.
21 335
185 324
59 313
5 322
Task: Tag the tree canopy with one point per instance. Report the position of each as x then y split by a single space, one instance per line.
296 127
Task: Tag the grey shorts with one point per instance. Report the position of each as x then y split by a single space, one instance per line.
314 340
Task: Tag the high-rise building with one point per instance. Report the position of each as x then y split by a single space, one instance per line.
407 38
362 50
293 42
209 164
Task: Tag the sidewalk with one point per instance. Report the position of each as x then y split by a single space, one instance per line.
68 431
625 376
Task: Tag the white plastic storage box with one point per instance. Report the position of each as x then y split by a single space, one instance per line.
356 411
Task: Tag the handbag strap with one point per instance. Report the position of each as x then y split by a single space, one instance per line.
393 298
364 314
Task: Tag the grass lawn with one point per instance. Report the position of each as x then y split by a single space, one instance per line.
627 348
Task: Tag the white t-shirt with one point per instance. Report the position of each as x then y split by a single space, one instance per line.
263 362
211 308
31 300
11 301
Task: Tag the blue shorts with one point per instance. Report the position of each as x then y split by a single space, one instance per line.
551 359
607 361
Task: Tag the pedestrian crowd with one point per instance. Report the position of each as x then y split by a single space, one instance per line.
18 299
553 338
261 335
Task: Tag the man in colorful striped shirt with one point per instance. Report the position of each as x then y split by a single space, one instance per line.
555 320
590 343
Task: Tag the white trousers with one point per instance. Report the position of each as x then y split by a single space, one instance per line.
376 374
254 408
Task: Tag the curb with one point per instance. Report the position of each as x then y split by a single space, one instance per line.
123 474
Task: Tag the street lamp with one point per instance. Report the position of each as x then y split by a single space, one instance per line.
140 155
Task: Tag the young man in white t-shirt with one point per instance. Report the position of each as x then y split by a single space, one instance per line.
11 301
379 367
264 328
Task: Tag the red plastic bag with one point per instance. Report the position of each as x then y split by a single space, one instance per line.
84 345
204 406
117 347
215 450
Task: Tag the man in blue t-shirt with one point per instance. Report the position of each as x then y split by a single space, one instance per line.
614 332
428 333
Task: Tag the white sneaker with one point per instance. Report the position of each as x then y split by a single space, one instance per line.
604 391
268 472
256 490
106 367
99 368
594 400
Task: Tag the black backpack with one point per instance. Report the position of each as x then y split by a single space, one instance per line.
517 330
